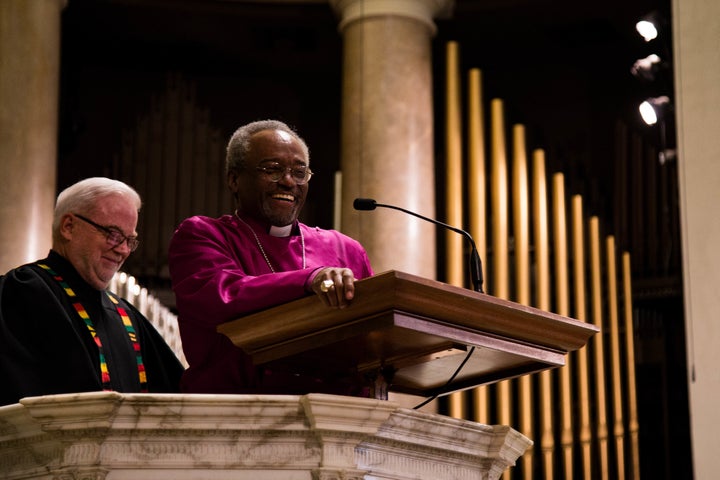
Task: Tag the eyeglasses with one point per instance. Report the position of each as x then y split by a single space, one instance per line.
113 235
274 172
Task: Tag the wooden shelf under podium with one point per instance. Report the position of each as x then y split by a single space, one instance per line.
419 330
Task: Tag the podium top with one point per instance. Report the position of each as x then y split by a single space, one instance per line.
420 329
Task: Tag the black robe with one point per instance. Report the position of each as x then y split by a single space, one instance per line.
46 348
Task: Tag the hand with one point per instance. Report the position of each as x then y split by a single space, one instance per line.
335 286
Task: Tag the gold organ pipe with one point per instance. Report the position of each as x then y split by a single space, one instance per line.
562 296
453 188
521 231
500 232
521 216
542 260
597 342
476 195
499 204
618 429
578 242
476 158
540 230
560 242
494 206
633 426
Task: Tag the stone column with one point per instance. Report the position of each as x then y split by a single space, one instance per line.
387 128
696 33
29 85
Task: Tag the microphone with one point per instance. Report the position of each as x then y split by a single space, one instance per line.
475 263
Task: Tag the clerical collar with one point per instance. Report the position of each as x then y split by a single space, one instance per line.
272 230
280 231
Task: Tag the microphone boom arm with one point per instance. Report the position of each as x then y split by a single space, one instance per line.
475 263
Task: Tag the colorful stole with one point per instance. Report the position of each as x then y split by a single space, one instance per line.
105 373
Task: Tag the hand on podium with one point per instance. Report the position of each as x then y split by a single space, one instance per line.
335 286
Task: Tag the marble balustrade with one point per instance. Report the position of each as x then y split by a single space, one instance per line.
107 435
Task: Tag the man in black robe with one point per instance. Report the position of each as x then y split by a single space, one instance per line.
61 331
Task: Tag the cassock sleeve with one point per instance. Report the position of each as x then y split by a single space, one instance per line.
211 279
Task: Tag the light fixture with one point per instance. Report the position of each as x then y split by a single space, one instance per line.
652 25
650 109
667 155
655 111
655 71
647 29
646 68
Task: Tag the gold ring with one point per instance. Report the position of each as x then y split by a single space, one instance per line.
326 285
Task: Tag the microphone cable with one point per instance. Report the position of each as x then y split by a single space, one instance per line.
457 371
475 270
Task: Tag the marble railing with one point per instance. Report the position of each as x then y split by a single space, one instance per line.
107 435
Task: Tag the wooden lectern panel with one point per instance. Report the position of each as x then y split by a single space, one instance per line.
419 329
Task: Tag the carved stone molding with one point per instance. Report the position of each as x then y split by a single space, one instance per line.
89 436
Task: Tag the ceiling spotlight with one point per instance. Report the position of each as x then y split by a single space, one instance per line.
652 25
647 30
667 155
650 109
646 68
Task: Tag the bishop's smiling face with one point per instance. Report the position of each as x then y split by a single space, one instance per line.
277 203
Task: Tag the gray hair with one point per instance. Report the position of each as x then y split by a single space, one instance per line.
239 144
83 195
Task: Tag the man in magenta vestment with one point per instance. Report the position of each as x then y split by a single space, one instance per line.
260 256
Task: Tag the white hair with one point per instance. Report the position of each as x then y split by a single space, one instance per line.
83 195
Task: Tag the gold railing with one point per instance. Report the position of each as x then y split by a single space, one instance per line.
545 252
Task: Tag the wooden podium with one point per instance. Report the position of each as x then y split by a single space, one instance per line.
410 334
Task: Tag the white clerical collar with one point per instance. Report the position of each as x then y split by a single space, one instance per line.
280 231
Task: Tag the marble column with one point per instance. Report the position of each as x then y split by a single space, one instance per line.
387 128
29 89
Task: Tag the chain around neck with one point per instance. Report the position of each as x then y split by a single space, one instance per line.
262 250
